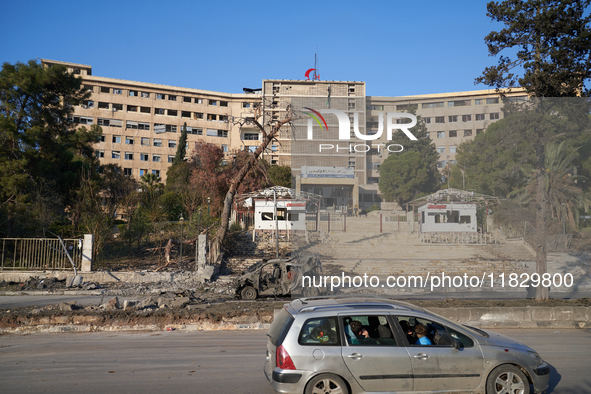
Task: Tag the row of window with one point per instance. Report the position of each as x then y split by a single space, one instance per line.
130 156
464 118
453 133
116 139
452 149
443 163
157 111
162 96
441 104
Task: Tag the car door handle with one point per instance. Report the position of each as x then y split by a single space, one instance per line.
421 356
355 356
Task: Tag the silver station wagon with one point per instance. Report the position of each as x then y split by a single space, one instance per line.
367 344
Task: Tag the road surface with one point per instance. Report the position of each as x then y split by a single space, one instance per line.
209 362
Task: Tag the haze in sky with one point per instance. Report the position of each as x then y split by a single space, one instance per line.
397 47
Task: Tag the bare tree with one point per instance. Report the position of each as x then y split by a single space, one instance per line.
270 130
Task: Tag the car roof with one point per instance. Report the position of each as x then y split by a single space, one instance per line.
349 304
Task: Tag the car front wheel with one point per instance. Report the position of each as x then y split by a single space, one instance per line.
507 379
248 293
327 383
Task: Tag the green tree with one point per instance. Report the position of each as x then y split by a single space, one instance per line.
280 175
404 177
42 155
399 180
181 149
552 39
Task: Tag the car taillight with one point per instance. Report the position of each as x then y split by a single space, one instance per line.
283 359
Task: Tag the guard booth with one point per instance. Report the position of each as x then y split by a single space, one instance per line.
448 217
291 215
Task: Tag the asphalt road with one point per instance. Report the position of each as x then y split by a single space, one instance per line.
208 362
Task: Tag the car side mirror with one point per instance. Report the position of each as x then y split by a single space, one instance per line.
457 344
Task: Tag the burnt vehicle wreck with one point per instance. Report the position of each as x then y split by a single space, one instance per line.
279 277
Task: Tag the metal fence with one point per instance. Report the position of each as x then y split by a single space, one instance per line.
39 254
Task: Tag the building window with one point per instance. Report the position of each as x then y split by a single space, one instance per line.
273 148
145 110
158 111
212 117
245 105
117 91
102 138
459 103
102 105
479 116
441 164
157 142
212 102
159 96
127 172
170 158
143 126
144 157
198 101
466 118
131 108
145 95
467 133
478 131
145 141
440 119
251 136
116 139
195 130
185 114
478 102
128 155
129 140
186 99
225 148
117 107
441 134
90 88
494 115
115 154
427 120
171 128
492 100
156 172
438 104
171 97
133 93
441 149
143 172
197 115
453 133
171 143
375 107
105 89
223 103
453 149
173 112
99 154
156 158
452 118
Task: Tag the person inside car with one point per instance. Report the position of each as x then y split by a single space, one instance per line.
421 332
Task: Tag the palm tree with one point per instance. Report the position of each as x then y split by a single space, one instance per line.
564 196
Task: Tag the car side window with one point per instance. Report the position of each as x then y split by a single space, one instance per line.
368 330
463 339
322 331
422 332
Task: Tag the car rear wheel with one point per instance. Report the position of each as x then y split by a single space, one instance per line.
507 379
327 383
248 293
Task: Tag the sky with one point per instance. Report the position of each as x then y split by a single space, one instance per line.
397 47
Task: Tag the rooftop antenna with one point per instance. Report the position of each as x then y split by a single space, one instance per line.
316 72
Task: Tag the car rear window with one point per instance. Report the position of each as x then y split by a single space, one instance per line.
280 326
320 331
